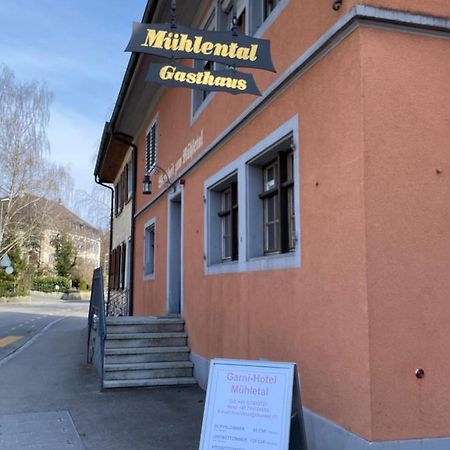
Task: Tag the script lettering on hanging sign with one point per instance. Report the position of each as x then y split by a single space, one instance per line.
218 46
176 75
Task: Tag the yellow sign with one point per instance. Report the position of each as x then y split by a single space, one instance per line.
176 75
224 47
180 42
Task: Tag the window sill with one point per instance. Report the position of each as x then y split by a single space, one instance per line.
149 277
277 261
222 267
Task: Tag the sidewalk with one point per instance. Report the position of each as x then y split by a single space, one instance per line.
51 376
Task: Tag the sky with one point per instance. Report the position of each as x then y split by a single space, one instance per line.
77 48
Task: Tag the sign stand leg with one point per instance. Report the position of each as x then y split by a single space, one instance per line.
297 437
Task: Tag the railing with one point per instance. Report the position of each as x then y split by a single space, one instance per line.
119 303
97 325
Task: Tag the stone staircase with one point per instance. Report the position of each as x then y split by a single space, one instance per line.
146 351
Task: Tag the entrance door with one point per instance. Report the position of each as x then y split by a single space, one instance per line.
174 260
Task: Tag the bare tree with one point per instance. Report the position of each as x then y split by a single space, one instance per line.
26 176
96 206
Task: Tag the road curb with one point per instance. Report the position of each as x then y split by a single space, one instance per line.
18 299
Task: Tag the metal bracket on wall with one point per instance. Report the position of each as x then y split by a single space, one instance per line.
337 5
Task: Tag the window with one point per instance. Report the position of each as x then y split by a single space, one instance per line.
127 273
225 215
271 208
271 198
114 272
291 200
200 96
149 249
226 15
123 254
229 226
268 7
252 207
278 204
118 267
130 181
223 210
263 11
121 190
116 199
151 147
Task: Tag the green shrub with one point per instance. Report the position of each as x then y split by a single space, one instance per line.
49 283
8 288
76 282
83 286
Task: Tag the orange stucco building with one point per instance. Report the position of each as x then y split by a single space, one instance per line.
310 224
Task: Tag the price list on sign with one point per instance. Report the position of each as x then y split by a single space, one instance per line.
248 406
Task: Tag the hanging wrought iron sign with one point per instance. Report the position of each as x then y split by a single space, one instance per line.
233 49
179 42
176 75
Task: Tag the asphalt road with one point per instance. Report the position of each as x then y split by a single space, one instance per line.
20 322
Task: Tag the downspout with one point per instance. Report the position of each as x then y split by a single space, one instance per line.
110 237
133 228
123 138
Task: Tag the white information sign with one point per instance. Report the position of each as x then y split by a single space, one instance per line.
248 405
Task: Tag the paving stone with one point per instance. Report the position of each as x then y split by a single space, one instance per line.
39 431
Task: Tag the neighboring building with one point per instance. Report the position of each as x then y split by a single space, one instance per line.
41 219
310 224
85 238
121 176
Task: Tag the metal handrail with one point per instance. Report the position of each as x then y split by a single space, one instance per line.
97 325
119 303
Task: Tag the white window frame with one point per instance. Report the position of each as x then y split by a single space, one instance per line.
254 26
213 196
250 229
130 180
227 232
225 7
149 249
198 102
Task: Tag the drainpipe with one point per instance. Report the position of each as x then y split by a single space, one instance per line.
110 235
125 139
